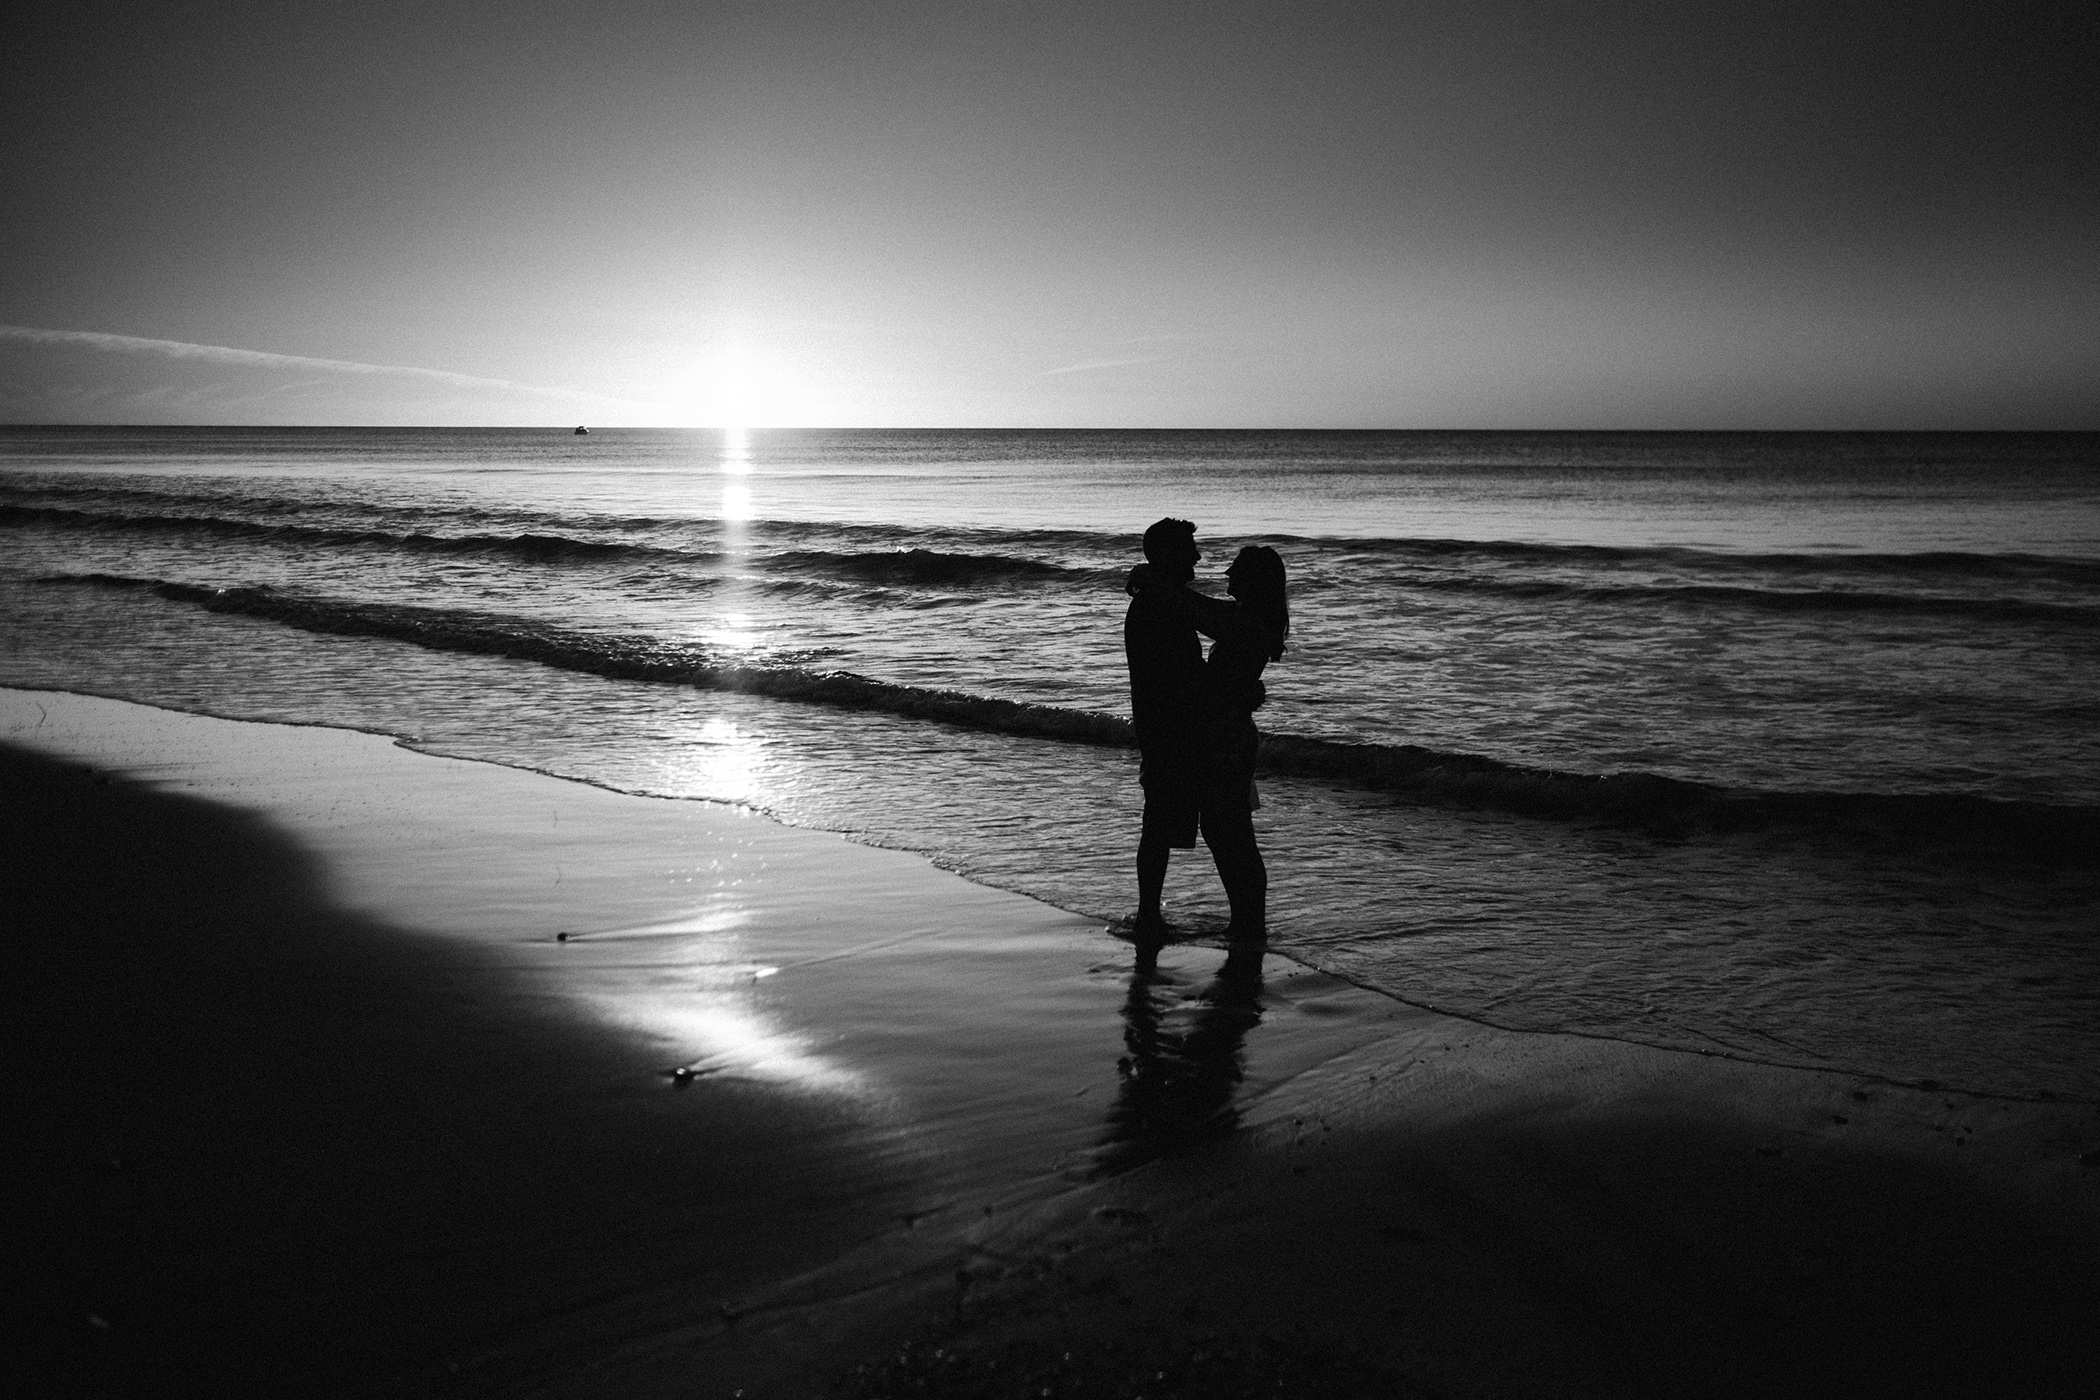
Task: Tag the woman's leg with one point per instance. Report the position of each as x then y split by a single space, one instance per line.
1228 829
1229 832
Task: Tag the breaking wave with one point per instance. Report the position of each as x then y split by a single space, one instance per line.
1799 600
1972 825
542 548
1908 565
926 566
630 657
910 567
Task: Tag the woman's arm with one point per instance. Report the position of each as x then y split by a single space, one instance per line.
1216 618
1220 619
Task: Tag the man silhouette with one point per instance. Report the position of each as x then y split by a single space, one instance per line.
1166 676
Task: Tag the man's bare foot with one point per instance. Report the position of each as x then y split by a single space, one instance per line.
1148 925
1143 928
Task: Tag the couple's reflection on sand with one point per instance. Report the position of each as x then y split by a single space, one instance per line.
1184 1059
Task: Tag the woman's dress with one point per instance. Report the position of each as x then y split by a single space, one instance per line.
1231 692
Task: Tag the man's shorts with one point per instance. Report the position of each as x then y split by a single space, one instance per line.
1173 802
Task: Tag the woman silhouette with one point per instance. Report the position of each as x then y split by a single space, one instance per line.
1249 633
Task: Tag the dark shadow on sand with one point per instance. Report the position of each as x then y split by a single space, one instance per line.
1182 1061
256 1145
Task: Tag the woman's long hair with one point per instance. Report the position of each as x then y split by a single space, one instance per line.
1259 572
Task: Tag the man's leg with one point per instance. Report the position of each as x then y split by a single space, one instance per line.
1152 855
1170 820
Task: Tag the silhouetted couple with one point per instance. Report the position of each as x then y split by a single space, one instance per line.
1195 718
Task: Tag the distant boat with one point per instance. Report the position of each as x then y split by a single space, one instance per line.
581 431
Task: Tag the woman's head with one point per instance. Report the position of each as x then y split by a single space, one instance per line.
1256 578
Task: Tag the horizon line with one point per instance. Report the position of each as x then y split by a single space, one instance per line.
570 429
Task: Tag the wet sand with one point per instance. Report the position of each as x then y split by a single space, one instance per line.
316 1099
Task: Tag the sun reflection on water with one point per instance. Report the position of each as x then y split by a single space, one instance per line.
736 510
736 633
722 764
736 452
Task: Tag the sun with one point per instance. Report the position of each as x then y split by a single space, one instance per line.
748 389
732 391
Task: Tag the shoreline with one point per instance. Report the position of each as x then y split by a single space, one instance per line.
1196 939
905 1120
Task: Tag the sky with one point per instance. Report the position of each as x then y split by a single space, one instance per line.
1029 213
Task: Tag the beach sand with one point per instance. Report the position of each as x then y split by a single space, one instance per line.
311 1095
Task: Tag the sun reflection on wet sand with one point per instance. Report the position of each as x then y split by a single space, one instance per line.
690 984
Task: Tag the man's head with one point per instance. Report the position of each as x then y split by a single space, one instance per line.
1170 547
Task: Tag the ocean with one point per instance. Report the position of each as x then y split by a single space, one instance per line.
1775 746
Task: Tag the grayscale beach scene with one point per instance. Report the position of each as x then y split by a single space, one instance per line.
1213 702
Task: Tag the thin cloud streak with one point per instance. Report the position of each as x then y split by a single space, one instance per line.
1100 364
266 359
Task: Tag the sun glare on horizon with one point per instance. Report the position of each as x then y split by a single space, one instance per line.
749 390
